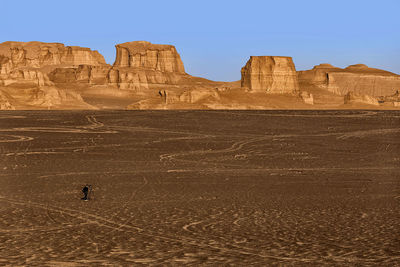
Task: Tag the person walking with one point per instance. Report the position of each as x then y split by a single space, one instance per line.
85 191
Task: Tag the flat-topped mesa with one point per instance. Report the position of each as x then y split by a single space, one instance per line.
141 65
38 54
145 55
270 74
34 62
359 78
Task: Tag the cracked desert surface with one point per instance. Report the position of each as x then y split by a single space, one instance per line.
301 188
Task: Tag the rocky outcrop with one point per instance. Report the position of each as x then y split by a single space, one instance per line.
32 62
95 75
139 79
198 95
38 54
190 96
5 103
145 55
141 65
392 100
26 76
359 79
307 97
54 76
274 75
51 97
167 99
353 98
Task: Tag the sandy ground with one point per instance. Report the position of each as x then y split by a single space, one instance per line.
302 188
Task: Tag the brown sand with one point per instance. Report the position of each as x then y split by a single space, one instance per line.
200 188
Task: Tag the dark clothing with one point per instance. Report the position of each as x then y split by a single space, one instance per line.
85 191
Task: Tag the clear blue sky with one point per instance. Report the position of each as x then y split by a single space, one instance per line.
215 38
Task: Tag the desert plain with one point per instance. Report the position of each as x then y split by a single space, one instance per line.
297 188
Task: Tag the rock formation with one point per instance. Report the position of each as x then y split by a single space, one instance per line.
307 97
145 55
32 62
51 97
25 76
197 98
274 75
140 65
38 75
80 74
5 102
392 100
190 96
353 98
359 79
38 54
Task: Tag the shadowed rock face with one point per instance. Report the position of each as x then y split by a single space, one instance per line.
141 64
275 75
359 79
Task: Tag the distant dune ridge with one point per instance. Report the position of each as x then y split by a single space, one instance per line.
37 75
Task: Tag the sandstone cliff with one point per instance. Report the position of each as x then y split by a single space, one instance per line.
359 79
38 54
5 103
274 75
140 65
391 100
145 55
80 74
308 98
44 97
53 76
32 62
353 98
53 98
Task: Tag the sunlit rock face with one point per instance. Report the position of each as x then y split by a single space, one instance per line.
145 55
52 97
5 103
391 100
26 76
32 62
359 79
81 74
353 98
270 74
308 98
38 54
140 64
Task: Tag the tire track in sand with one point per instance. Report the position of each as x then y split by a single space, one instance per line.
101 221
16 138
